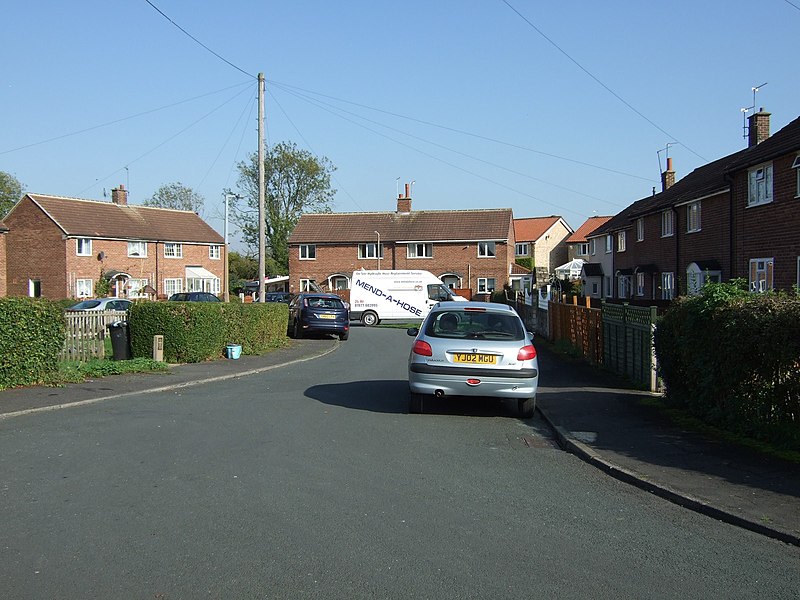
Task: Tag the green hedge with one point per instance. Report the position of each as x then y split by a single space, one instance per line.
733 359
33 331
198 331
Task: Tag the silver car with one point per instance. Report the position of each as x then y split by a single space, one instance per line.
473 349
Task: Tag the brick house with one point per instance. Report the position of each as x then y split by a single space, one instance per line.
466 249
3 232
578 244
60 248
765 182
735 217
542 243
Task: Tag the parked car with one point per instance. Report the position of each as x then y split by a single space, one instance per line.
318 313
102 304
473 349
278 297
194 297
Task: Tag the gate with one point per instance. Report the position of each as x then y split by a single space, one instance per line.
86 333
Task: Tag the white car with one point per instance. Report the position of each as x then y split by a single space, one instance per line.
473 349
103 304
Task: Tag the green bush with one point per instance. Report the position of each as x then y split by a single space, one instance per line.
198 331
32 339
733 359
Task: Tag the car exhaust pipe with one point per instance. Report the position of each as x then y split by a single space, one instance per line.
439 393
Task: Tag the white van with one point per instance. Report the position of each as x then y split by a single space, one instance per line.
397 295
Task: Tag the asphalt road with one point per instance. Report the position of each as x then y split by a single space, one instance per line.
312 481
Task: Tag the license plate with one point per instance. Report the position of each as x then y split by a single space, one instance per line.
327 316
478 359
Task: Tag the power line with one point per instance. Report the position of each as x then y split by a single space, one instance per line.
792 4
115 121
222 58
603 85
288 87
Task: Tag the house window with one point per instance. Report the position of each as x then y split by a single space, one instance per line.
420 251
34 288
369 251
796 167
761 274
583 249
667 286
137 249
640 284
759 185
136 288
306 285
84 288
338 282
173 286
486 285
83 247
203 284
667 223
640 229
486 250
594 288
624 286
308 251
608 286
609 243
522 249
697 278
593 246
215 252
693 217
621 241
173 250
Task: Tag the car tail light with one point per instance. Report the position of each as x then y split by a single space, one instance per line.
526 353
422 348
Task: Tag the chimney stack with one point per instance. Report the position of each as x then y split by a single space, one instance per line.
404 202
667 177
758 129
119 195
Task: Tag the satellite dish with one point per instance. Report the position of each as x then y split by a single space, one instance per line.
101 256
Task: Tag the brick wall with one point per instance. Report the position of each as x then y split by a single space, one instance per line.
35 250
460 258
768 230
3 288
712 242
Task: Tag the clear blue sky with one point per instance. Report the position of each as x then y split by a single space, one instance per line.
546 108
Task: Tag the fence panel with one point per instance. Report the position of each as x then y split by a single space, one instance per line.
86 333
628 342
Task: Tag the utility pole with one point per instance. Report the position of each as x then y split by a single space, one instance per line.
225 235
262 262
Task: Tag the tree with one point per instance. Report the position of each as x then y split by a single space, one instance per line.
241 268
296 181
10 192
177 196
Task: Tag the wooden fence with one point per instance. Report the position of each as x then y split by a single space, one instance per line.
628 342
86 333
581 326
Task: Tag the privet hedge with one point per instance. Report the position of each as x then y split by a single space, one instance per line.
197 331
31 338
733 359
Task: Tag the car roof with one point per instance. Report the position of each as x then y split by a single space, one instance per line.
462 306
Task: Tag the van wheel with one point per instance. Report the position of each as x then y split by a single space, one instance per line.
526 406
415 403
369 319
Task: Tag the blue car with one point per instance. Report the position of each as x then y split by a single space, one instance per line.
318 313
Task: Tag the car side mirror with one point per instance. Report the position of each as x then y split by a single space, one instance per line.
413 331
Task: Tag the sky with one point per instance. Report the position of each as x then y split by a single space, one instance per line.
567 108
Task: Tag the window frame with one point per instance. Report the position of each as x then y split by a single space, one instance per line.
483 285
640 229
640 284
307 252
609 243
175 250
427 250
796 167
621 241
81 245
753 196
583 249
142 244
526 249
769 275
142 284
169 288
215 252
693 222
487 249
364 249
667 285
86 284
593 246
667 223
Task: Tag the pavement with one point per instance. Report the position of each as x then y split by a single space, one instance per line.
594 415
